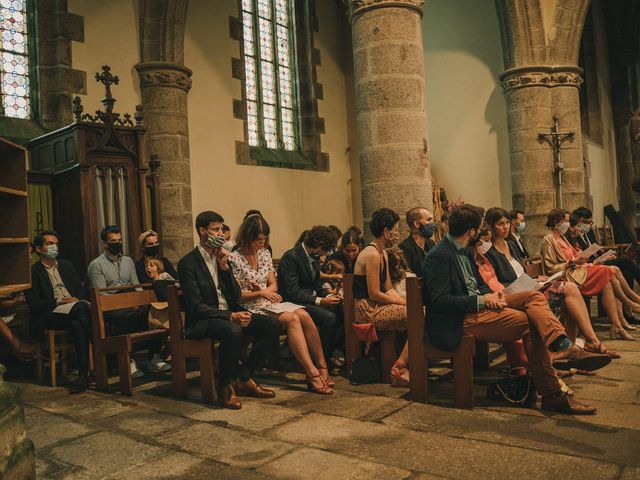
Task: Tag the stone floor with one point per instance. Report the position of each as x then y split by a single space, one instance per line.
361 432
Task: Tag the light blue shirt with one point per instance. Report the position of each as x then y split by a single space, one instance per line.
107 271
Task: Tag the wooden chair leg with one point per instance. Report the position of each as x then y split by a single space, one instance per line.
481 359
126 383
100 365
387 356
91 366
463 382
179 375
207 380
39 363
52 358
63 356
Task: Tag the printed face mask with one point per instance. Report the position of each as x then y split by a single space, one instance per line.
214 242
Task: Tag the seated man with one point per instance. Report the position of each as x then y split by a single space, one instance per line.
299 282
54 283
517 229
113 269
211 294
150 246
458 301
417 244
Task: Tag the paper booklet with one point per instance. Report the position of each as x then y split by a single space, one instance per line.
65 308
524 283
608 255
590 250
283 307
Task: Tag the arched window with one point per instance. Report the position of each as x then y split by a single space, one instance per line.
14 48
270 74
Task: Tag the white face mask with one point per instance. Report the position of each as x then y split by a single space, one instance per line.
584 228
485 247
562 229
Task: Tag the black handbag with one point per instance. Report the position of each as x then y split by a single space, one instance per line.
365 369
517 390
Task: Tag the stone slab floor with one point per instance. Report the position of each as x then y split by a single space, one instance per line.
361 432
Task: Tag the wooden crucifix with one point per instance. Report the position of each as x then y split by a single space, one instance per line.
107 79
556 138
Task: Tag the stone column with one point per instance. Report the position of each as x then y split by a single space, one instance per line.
534 94
164 87
389 81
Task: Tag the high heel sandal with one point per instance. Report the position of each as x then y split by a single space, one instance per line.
600 348
323 390
399 375
615 332
327 380
626 326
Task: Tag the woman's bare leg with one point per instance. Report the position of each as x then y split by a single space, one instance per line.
578 314
620 295
313 342
609 305
628 291
297 342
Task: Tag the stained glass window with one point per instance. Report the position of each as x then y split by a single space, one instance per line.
269 61
14 43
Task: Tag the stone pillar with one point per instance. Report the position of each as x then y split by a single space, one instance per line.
17 454
164 87
389 81
534 94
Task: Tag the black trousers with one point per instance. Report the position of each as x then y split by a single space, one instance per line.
630 270
78 322
129 320
265 330
327 323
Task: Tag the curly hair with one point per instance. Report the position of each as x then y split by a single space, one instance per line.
398 266
555 216
321 236
381 219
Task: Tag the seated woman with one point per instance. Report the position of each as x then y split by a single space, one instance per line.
253 269
399 271
348 250
375 299
558 255
150 246
504 260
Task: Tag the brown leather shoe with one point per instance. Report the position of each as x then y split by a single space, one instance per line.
227 398
574 357
563 403
251 388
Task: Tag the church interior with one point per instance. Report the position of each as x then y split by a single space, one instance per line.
159 125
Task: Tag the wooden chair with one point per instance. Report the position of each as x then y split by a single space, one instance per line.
182 349
420 353
387 338
56 350
102 301
533 266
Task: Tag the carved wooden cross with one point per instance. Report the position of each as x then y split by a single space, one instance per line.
107 80
555 138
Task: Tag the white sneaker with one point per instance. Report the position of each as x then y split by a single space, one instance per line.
156 364
135 372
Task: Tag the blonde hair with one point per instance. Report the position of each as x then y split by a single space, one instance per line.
159 265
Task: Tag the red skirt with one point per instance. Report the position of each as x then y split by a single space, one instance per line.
597 278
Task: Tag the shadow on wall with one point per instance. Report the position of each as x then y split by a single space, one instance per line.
463 59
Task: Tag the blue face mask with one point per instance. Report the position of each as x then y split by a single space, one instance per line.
52 252
427 230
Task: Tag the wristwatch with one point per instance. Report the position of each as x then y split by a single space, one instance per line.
572 265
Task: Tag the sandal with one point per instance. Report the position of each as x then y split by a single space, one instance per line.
600 348
399 375
330 383
322 390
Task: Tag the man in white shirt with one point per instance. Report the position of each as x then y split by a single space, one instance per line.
517 229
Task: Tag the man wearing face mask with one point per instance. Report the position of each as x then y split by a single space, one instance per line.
150 246
113 269
54 283
211 294
419 241
517 229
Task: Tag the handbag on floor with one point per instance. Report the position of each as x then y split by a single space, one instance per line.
515 389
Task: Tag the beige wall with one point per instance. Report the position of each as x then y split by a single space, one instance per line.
602 157
290 200
110 38
466 109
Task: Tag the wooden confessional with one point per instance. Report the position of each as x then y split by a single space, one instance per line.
99 176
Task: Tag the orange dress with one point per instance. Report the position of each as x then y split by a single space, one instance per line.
488 274
597 275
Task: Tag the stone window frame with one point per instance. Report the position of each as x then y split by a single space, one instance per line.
54 80
309 155
589 94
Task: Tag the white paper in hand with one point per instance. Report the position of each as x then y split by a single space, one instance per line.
608 255
283 307
590 250
522 284
65 308
550 280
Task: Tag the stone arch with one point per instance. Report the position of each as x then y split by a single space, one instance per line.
162 25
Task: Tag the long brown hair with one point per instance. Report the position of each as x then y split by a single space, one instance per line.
493 216
251 228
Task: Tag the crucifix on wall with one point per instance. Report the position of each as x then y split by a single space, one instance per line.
556 138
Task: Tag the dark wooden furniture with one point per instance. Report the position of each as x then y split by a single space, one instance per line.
420 353
387 338
99 175
15 267
533 266
114 298
182 349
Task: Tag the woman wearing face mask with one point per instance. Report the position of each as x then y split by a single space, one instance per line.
563 297
150 247
375 299
558 255
348 251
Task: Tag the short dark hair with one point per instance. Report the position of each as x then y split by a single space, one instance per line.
583 212
574 219
494 214
350 237
205 219
250 229
302 236
321 236
381 219
225 228
464 218
555 216
513 214
412 215
109 229
252 212
336 231
38 240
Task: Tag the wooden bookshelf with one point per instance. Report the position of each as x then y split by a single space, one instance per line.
15 267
